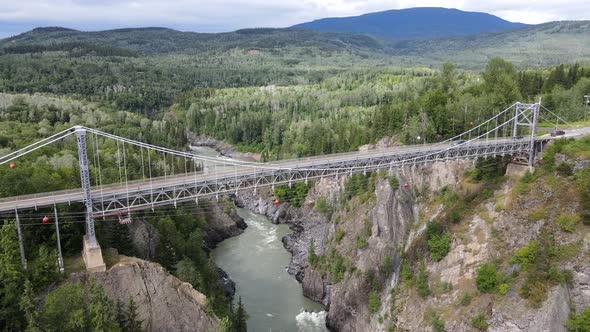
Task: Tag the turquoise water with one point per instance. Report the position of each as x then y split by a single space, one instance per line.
256 260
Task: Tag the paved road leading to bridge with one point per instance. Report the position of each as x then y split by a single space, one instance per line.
76 195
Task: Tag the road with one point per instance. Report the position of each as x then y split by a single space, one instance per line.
245 169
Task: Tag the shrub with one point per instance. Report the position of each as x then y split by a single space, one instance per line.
406 272
387 267
339 235
393 182
422 282
503 289
487 279
438 242
338 268
568 222
361 242
466 299
526 255
312 258
374 302
480 322
534 290
439 246
368 228
538 213
438 325
321 205
295 195
564 169
579 323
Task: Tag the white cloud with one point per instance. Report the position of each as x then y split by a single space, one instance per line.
226 15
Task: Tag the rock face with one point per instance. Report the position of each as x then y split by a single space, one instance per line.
391 218
144 238
223 148
313 285
164 302
518 318
222 224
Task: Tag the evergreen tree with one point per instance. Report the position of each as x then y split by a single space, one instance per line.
45 267
133 322
11 276
240 318
27 305
312 257
103 317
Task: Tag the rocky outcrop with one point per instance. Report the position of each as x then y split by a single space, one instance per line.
313 285
144 237
391 217
223 148
222 224
517 317
164 302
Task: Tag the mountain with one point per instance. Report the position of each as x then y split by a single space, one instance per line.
154 40
414 23
531 46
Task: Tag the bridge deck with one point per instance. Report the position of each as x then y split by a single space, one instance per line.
160 191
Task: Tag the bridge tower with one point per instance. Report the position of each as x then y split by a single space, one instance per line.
91 249
527 115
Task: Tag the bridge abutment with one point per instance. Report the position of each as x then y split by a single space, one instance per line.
92 255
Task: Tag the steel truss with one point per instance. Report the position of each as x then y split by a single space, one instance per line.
190 188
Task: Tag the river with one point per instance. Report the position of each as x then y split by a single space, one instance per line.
256 260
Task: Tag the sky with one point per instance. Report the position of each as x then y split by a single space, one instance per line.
18 16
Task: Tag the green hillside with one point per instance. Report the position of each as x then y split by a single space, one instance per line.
133 42
539 45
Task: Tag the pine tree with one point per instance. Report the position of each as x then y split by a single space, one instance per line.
103 317
133 323
11 274
240 318
312 257
27 305
45 267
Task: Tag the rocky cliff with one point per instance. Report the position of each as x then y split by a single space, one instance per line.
362 241
164 302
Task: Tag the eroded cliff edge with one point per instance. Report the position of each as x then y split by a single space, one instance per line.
362 240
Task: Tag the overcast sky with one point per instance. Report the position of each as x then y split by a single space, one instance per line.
17 16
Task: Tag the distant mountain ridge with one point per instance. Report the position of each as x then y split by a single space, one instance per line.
156 40
414 23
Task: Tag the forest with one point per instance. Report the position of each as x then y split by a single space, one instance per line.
299 101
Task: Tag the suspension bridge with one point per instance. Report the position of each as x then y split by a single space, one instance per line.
513 131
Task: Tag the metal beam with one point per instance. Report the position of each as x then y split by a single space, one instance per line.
85 181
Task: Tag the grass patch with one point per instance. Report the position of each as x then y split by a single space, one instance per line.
480 322
568 222
339 235
538 213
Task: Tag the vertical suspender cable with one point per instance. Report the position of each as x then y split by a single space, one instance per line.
60 259
142 166
21 247
150 174
99 174
119 162
126 183
164 155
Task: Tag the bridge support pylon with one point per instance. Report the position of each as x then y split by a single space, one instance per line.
91 249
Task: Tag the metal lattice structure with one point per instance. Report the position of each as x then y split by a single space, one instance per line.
488 139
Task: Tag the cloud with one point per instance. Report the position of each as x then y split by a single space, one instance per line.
226 15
